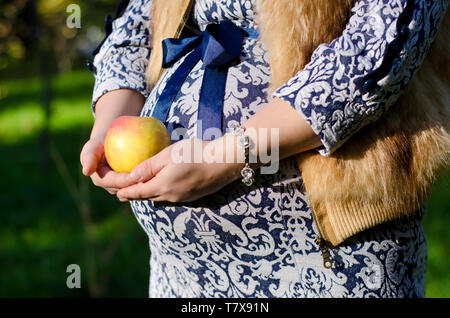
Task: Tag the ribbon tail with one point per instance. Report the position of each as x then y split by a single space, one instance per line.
209 121
173 86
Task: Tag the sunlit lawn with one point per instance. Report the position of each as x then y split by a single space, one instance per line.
52 216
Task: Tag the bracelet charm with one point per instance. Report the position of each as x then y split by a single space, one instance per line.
244 143
248 174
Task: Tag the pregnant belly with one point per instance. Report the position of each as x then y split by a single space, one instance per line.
245 90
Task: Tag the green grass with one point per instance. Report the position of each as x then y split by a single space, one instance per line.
52 216
437 223
44 227
21 113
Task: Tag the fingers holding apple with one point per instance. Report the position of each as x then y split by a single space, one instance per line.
142 174
156 179
94 165
136 161
161 178
110 180
130 140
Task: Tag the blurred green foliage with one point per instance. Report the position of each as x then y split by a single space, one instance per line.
34 33
52 216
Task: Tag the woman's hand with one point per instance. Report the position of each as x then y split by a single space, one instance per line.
94 164
111 105
166 177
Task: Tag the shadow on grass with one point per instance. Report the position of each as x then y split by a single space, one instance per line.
43 230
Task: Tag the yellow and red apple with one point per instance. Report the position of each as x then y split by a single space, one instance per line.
132 139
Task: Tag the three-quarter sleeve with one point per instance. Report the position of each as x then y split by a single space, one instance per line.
121 60
352 81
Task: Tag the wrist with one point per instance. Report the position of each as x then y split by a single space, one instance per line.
239 151
227 155
98 134
113 104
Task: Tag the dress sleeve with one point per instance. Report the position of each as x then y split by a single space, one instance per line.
121 59
352 81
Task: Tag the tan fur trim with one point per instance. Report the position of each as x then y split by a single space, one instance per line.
167 20
292 30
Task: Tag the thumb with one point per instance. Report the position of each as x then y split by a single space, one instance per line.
90 157
147 169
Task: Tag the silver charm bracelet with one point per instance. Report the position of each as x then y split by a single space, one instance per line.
244 143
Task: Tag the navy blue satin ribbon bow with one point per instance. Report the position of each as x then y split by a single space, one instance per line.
218 46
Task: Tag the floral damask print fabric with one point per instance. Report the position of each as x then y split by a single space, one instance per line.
123 58
326 91
262 244
260 241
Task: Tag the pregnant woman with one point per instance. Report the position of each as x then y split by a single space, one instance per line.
355 131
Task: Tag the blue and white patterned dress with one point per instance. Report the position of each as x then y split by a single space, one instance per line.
260 241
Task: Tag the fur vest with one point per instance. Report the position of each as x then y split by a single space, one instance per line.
383 172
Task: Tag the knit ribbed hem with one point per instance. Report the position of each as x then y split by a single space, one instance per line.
338 221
